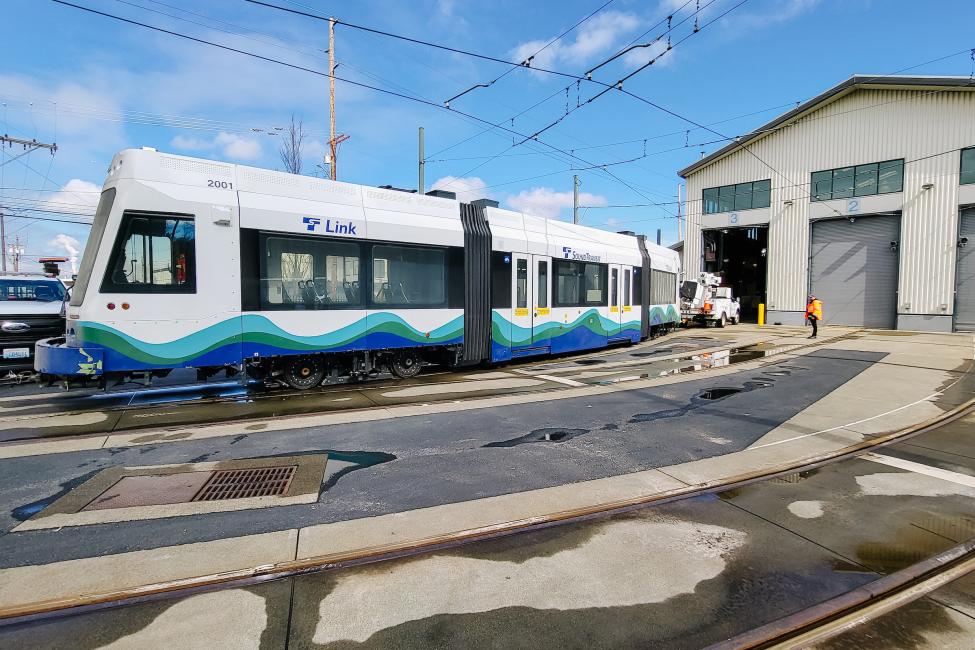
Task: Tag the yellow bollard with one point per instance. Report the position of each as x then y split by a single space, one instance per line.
761 314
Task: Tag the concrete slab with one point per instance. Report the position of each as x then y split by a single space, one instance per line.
59 580
256 617
429 523
714 471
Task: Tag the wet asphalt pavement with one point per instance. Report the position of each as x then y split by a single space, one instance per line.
678 575
439 458
30 411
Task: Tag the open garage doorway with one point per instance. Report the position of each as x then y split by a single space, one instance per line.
739 255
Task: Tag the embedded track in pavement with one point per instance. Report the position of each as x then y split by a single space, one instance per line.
913 581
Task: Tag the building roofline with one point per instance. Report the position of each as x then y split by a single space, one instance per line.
843 88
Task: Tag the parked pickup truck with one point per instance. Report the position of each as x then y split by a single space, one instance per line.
706 302
31 309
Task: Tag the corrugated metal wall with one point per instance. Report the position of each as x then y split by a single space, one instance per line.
868 125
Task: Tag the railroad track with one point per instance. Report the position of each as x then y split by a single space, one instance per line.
797 630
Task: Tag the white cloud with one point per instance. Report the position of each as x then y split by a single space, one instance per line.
597 36
186 143
467 188
238 147
546 202
784 11
70 245
231 145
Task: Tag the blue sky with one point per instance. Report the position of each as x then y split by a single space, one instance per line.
96 85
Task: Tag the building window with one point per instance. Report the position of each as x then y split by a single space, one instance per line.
742 196
860 180
968 166
153 254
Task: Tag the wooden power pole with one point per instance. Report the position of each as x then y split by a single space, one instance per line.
333 146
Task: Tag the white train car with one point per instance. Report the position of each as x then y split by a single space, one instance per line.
201 264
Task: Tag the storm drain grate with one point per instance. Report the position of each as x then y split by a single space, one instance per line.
244 483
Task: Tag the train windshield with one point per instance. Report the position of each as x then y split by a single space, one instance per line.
91 248
154 253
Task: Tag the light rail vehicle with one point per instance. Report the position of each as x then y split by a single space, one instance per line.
224 268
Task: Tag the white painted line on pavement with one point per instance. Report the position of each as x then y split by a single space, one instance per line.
560 380
919 468
622 379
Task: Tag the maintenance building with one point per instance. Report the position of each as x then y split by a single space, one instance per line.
863 196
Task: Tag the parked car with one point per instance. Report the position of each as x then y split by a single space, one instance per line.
31 309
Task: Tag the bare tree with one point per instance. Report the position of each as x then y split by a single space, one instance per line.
290 150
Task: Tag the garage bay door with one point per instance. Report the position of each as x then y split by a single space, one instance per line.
965 284
854 271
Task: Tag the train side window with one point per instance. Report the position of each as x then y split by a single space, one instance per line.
568 283
152 254
543 283
409 277
500 280
595 275
637 286
626 288
304 273
522 284
663 287
614 286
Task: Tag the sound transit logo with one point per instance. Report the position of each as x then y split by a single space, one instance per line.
570 254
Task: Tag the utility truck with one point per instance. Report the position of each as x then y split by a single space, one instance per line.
706 302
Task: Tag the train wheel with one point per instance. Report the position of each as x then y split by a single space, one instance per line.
302 373
405 365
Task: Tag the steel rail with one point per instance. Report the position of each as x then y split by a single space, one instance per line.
370 385
863 604
85 603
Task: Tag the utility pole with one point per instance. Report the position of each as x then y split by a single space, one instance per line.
331 95
421 162
16 251
334 140
575 199
28 146
3 244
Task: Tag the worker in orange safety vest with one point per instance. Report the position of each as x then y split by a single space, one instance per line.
814 313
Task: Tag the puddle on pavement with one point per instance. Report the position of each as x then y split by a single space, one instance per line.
702 398
652 353
918 624
25 512
908 546
342 463
718 393
550 434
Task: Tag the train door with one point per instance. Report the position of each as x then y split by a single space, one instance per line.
528 332
542 302
629 318
615 302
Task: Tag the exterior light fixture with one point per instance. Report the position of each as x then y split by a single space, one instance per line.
927 186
